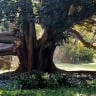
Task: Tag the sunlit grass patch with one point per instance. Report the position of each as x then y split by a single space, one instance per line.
82 66
49 92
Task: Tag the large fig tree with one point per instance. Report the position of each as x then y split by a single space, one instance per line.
55 17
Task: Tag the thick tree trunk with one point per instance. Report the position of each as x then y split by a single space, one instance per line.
28 52
46 60
46 53
33 57
22 55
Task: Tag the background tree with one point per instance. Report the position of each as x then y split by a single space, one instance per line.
79 53
55 16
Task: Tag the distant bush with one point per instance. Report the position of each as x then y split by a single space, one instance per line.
76 54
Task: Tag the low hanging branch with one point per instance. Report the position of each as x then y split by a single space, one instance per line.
79 36
9 44
7 38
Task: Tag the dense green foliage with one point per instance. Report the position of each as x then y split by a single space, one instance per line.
52 81
7 10
47 92
76 54
43 84
59 15
54 14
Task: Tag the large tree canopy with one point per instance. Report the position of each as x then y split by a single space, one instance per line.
56 18
59 15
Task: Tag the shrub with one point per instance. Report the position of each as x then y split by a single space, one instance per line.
76 54
37 80
29 81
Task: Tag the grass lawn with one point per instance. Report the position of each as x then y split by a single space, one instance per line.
75 67
49 92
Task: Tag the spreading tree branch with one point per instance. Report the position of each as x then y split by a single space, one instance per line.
9 44
79 36
7 38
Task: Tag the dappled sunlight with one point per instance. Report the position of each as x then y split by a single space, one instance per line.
30 30
5 71
9 63
62 60
14 63
39 31
77 67
1 92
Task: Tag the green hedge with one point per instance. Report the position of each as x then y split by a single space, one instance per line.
76 54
